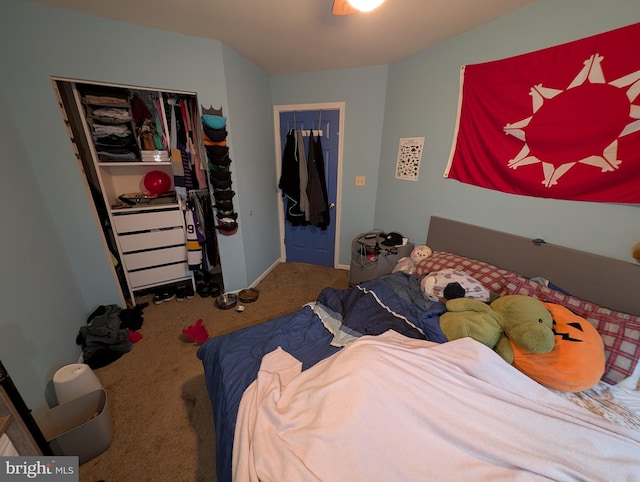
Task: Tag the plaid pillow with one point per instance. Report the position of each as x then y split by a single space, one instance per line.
489 275
620 332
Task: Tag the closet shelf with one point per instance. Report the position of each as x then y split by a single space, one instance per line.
128 164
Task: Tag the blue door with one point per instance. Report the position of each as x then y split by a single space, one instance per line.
311 244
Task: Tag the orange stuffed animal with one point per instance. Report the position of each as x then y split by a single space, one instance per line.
577 360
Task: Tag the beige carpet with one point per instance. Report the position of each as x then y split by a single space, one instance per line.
162 418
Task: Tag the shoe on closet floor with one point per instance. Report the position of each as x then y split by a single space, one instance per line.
181 294
158 299
214 289
203 290
189 291
168 294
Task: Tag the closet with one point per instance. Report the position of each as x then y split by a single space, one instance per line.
144 159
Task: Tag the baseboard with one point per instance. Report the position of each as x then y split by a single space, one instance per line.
265 273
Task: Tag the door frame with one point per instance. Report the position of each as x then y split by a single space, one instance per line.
277 109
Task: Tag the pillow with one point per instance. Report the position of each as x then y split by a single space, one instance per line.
620 332
487 274
434 283
577 360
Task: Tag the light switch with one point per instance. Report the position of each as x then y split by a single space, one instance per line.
361 180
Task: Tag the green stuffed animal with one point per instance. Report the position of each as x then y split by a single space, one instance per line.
521 319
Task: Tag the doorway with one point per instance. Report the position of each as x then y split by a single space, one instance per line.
307 243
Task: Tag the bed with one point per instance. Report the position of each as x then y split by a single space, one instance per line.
357 385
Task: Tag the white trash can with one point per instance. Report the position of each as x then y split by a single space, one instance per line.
73 381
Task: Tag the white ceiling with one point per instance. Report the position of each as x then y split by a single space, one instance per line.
284 36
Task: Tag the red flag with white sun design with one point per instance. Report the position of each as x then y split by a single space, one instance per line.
561 123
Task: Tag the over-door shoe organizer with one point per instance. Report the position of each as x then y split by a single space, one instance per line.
220 175
218 156
221 184
218 160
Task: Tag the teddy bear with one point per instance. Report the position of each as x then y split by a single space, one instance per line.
524 320
408 264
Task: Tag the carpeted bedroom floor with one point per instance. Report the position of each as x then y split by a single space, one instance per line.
162 419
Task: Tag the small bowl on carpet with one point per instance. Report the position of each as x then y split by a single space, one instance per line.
226 301
248 295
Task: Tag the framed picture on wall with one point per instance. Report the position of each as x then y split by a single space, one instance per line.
409 157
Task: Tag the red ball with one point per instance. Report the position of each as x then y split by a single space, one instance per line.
157 182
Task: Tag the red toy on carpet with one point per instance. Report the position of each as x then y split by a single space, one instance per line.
196 333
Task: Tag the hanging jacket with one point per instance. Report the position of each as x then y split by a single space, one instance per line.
323 179
316 186
304 176
290 180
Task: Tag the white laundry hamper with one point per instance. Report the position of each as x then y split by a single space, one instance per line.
73 381
82 427
81 423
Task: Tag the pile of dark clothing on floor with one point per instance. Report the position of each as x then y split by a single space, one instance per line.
108 333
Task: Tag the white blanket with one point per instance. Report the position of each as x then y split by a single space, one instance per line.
390 408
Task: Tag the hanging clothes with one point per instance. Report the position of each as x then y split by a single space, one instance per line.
186 146
190 148
201 233
290 180
139 110
194 249
304 176
160 126
316 187
320 166
186 166
198 154
211 252
173 125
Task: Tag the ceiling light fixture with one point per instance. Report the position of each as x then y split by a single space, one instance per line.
365 5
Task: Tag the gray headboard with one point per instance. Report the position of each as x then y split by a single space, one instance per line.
605 281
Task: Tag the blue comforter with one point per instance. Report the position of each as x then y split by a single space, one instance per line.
310 334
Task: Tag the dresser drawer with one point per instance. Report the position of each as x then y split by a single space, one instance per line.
159 275
127 223
152 239
146 259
